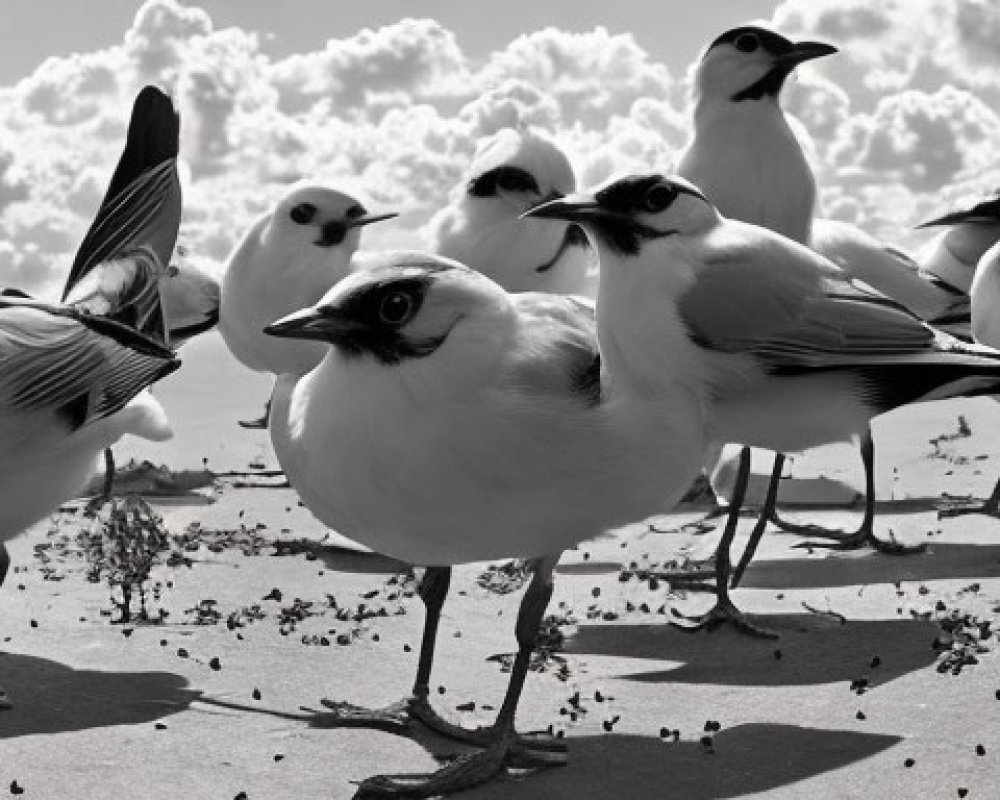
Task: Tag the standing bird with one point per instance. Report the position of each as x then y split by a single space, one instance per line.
513 170
743 153
71 385
794 352
451 421
288 259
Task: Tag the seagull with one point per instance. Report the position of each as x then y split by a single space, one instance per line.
743 153
289 258
512 170
123 268
451 421
795 353
71 385
952 256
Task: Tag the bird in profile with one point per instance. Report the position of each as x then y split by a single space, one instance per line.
71 385
451 421
511 171
743 152
288 259
795 353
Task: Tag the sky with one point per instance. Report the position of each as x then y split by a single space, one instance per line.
390 98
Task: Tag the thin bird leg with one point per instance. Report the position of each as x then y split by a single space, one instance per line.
260 423
724 610
4 565
505 749
109 475
770 500
990 508
864 536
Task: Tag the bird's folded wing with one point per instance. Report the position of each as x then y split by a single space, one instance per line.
781 302
52 363
557 354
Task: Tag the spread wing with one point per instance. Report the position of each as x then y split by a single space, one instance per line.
136 226
767 296
559 347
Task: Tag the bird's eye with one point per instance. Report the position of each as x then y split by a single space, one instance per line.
355 211
303 213
746 42
658 197
396 308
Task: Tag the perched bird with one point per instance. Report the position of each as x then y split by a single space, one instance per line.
794 352
71 385
451 421
481 227
743 153
952 256
288 259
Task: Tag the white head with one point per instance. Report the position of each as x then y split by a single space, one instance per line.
409 313
750 63
511 171
319 220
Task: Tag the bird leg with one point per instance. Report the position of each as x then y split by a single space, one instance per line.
864 536
506 748
260 423
109 475
433 590
770 500
724 610
990 508
4 565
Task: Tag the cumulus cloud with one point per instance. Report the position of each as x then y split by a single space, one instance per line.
900 115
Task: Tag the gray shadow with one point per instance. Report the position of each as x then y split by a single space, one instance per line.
50 697
746 759
813 650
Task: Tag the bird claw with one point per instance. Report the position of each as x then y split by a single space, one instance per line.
253 424
465 771
340 714
723 611
859 539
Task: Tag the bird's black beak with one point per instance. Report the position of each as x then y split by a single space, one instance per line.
323 323
368 219
573 208
805 51
972 215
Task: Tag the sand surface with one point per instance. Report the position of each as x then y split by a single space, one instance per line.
850 704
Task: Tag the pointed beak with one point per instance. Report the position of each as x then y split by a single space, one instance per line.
805 51
958 217
573 208
322 324
368 219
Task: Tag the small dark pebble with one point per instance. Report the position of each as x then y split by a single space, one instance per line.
909 762
163 642
274 594
160 726
963 792
126 632
215 663
598 696
182 653
980 750
859 685
278 757
876 661
241 796
470 706
256 694
406 648
860 715
608 725
375 637
343 639
441 690
711 726
664 733
596 591
15 788
33 623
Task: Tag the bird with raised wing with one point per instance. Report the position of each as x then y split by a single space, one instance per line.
288 259
795 353
71 385
451 421
512 170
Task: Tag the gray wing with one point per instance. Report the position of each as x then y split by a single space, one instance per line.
761 294
559 354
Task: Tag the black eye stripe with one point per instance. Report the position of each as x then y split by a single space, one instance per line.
507 178
771 42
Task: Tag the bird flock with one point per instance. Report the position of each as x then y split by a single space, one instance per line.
558 362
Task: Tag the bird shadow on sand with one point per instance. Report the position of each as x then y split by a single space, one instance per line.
812 650
50 697
744 760
940 561
343 559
